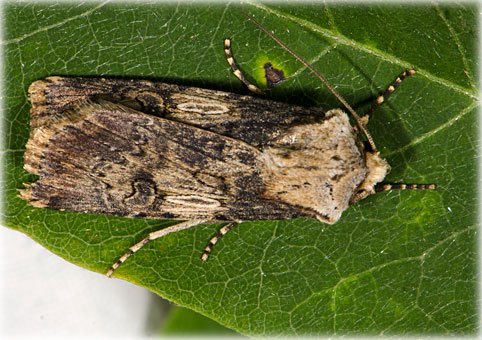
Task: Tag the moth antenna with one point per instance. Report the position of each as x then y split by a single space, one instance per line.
359 121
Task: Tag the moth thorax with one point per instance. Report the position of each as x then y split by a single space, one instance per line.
316 166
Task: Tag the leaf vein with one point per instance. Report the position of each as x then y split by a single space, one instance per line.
49 27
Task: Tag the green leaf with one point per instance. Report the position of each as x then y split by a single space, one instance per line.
396 263
185 322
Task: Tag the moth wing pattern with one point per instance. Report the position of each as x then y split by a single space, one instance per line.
105 158
252 120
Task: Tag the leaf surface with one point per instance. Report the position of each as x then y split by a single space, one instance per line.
396 263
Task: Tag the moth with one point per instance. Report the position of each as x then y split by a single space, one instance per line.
143 149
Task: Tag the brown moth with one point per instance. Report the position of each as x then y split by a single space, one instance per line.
145 149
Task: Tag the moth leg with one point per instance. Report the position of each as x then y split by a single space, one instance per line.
386 187
216 238
152 236
387 93
360 195
237 72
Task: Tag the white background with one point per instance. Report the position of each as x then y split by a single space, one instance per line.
44 296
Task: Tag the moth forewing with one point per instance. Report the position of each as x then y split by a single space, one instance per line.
106 158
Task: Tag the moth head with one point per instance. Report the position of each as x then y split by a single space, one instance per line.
377 169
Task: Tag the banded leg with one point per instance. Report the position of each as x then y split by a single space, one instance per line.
387 93
216 238
237 72
387 187
152 236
